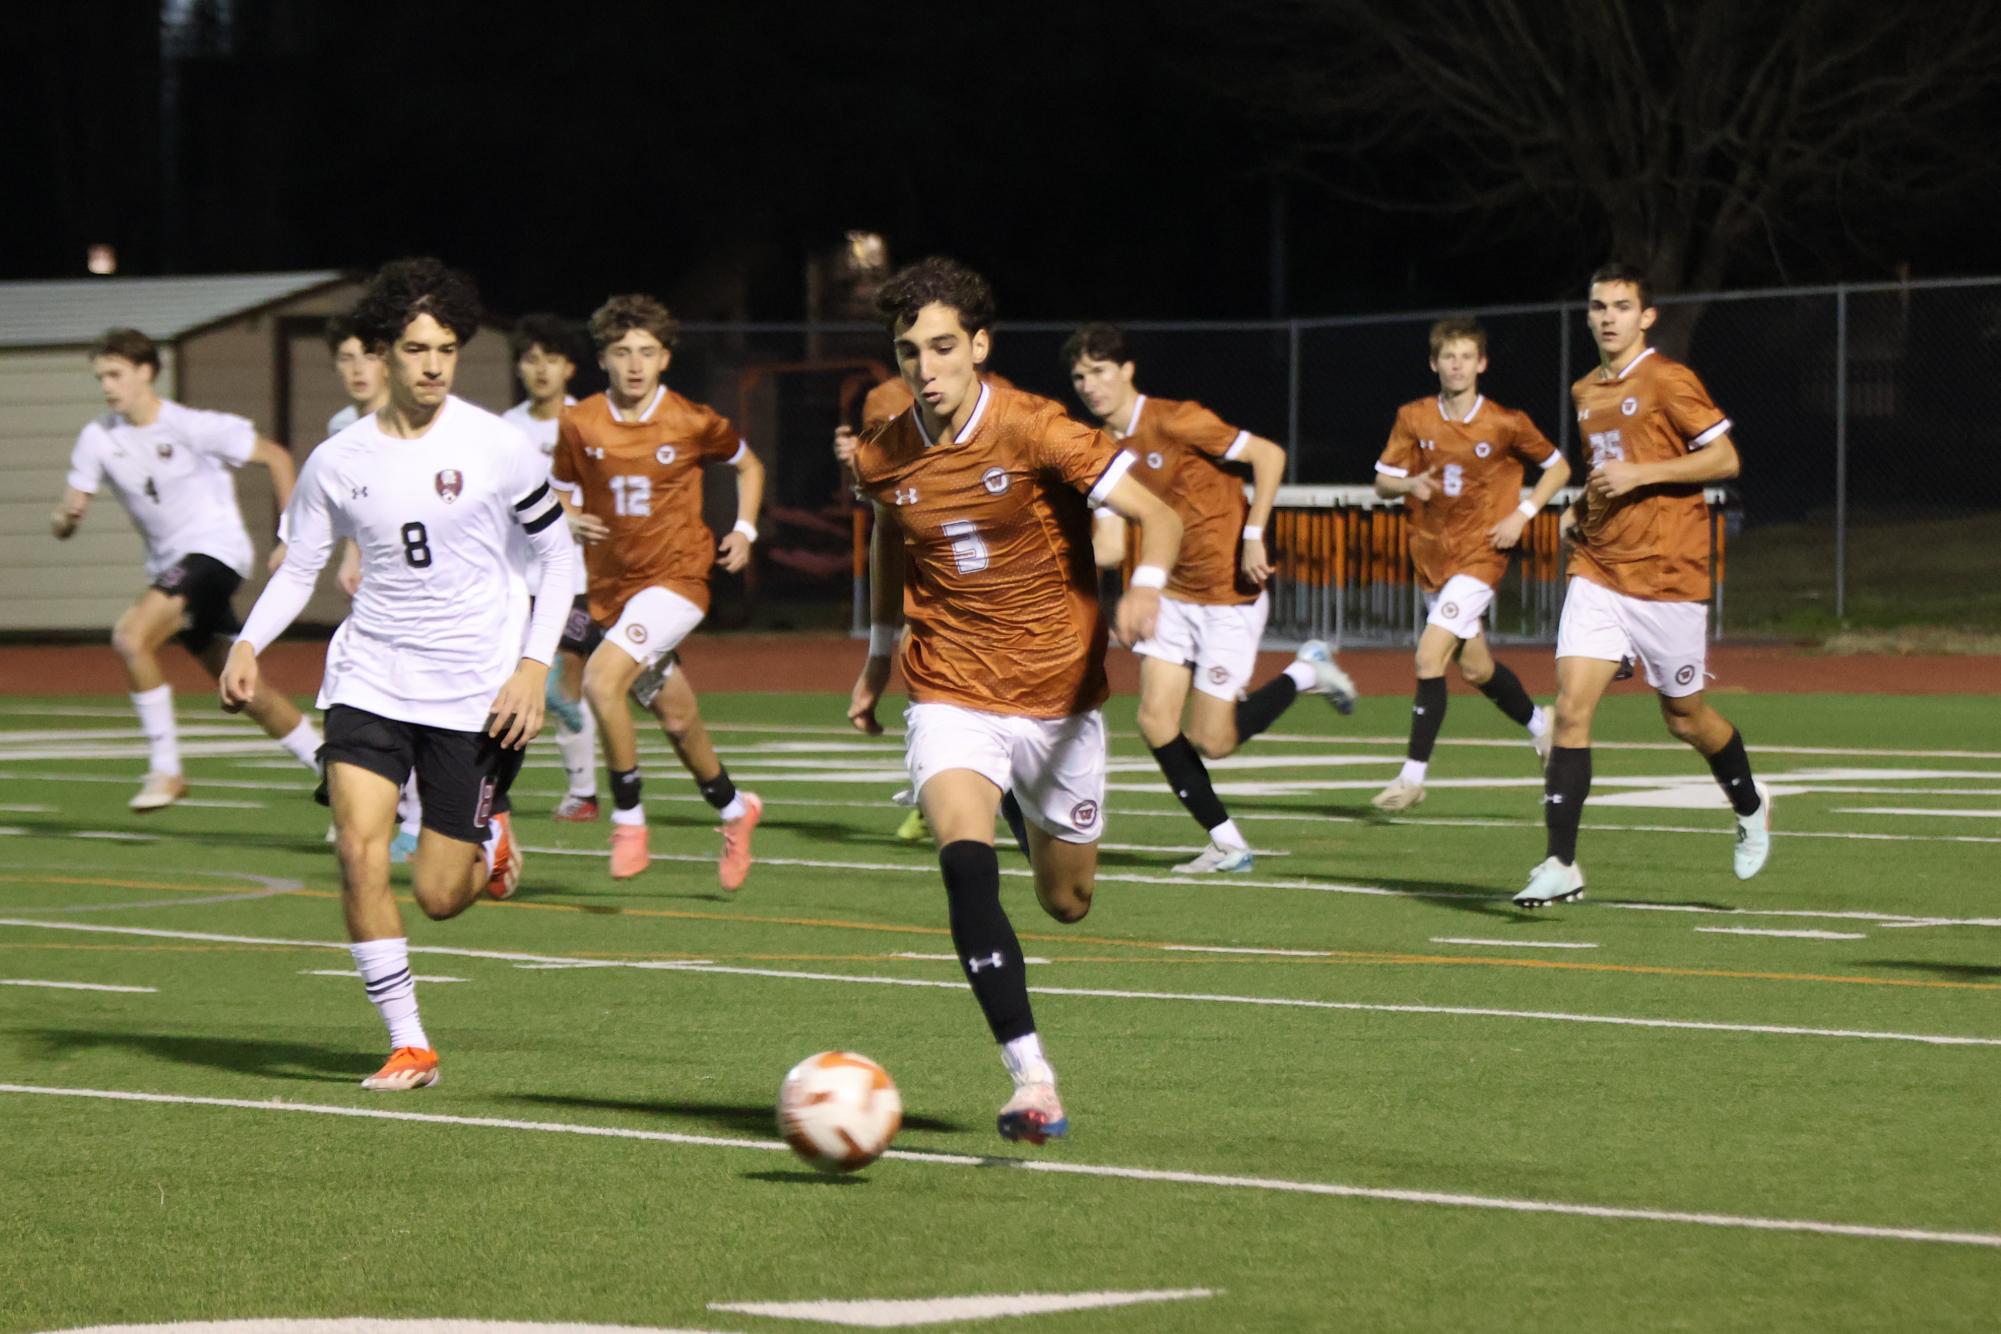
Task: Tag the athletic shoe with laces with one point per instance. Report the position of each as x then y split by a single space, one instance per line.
734 864
402 847
504 877
569 711
1754 836
1551 882
1328 678
1543 741
1217 857
159 792
914 829
1400 795
407 1068
573 809
1034 1114
628 851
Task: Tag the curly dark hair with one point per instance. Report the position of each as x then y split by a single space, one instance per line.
1097 342
130 344
551 333
339 329
1618 271
406 288
945 282
620 315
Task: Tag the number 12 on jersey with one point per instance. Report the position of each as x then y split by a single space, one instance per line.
631 496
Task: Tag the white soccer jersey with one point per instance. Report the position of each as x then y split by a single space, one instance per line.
438 625
543 435
173 478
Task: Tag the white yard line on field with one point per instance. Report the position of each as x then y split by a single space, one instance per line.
1917 810
71 986
1789 935
1516 944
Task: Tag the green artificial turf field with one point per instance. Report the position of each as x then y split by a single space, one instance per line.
1354 1089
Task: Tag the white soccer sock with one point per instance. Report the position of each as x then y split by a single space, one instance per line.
637 815
579 752
385 973
1539 721
1302 674
736 810
409 809
1414 771
304 743
1025 1062
156 720
492 841
1228 835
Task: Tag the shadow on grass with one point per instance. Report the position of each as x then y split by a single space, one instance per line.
1967 971
266 1059
796 1178
737 1118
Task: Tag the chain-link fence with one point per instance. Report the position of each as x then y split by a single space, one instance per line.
1871 490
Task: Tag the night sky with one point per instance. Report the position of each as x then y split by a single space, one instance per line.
1083 154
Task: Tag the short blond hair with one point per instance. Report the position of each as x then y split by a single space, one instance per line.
1454 328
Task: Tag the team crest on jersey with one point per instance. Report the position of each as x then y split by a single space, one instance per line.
450 482
1219 675
994 480
1084 814
636 633
664 455
1155 459
1684 674
1630 406
1483 449
1450 611
165 449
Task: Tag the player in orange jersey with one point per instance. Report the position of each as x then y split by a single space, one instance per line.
1212 615
1458 460
630 462
1639 574
982 494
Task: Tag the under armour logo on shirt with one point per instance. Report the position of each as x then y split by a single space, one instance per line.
357 492
903 497
1552 799
990 961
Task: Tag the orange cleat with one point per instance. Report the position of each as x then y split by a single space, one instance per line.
629 855
735 862
505 875
576 810
408 1068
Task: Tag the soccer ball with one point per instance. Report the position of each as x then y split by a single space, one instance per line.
838 1110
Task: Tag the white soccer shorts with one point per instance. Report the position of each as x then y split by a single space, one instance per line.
1219 642
653 622
1055 766
1460 606
1670 640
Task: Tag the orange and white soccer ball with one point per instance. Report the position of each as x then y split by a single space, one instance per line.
839 1110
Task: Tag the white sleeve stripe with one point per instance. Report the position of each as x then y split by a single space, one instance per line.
1551 461
1721 428
1393 472
742 448
1239 445
1117 468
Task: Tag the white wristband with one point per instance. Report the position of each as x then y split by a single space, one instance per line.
743 526
1254 532
1148 576
882 640
1527 509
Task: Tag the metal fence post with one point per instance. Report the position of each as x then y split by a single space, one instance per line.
1840 452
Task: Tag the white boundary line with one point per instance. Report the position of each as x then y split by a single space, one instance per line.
1097 993
1519 944
1789 935
1448 1199
73 986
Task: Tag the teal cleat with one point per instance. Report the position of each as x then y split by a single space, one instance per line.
568 711
402 847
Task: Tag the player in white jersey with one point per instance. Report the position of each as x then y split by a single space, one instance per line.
170 466
366 384
431 670
545 365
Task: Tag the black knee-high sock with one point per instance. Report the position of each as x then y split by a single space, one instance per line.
1505 689
1427 715
1565 784
624 788
1189 778
1732 768
718 791
988 950
1261 708
1016 824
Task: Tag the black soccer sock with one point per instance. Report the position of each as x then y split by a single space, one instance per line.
1261 708
1565 784
718 791
1732 768
1427 715
988 950
1017 824
1189 778
624 788
1505 689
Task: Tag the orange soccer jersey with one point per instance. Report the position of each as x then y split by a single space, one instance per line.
642 475
1183 451
1000 593
1479 461
1650 543
892 396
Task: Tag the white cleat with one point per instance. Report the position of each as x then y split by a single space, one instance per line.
1217 857
159 792
1754 837
1328 678
1034 1114
1543 742
1400 795
1551 882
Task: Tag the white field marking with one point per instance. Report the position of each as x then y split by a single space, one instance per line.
116 836
863 979
1248 949
90 750
1916 810
354 1324
70 986
1166 849
947 958
243 784
222 803
211 729
905 1312
351 974
595 963
1789 935
26 808
1445 1199
1517 944
12 831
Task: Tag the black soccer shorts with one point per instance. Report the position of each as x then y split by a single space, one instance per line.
462 777
581 634
207 585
